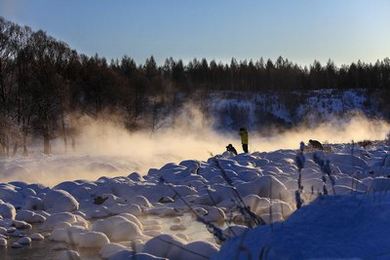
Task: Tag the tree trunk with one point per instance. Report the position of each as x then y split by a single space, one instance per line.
64 133
25 152
15 150
7 146
73 143
46 143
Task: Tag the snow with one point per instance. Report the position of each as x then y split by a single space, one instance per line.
63 220
24 241
111 249
37 237
21 224
150 212
350 226
129 255
68 255
165 246
119 228
3 242
59 201
92 239
30 216
230 110
69 234
7 210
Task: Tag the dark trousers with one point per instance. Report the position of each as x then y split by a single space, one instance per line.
245 148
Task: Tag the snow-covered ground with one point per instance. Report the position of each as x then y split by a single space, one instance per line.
153 215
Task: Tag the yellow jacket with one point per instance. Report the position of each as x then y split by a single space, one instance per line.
244 137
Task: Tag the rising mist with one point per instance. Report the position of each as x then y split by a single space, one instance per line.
106 148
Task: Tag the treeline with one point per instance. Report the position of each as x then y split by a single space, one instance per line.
43 81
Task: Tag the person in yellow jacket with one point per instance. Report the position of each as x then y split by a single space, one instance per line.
244 139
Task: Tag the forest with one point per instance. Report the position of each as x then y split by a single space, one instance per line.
45 85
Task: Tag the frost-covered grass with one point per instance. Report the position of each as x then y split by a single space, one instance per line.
152 213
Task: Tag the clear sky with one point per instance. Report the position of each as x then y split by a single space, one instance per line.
300 30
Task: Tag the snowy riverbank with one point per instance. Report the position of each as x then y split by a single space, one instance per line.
151 214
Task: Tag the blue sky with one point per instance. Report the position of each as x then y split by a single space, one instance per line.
300 30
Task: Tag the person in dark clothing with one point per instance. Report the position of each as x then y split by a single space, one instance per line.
315 144
244 139
230 148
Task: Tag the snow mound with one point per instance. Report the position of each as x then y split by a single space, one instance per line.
3 242
7 210
93 239
111 249
68 255
353 226
164 245
30 216
58 219
60 201
119 228
129 255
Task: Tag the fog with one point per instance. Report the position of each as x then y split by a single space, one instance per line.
106 147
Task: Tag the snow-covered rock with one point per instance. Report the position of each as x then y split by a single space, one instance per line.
60 201
7 210
57 219
70 235
127 254
24 241
68 255
198 250
30 216
3 242
37 237
111 249
33 203
93 239
164 246
118 228
21 224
